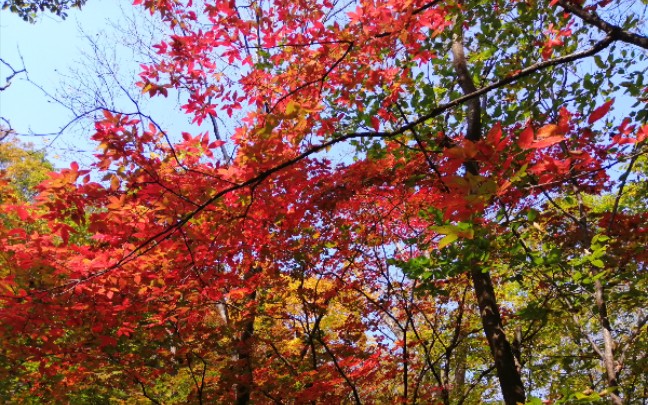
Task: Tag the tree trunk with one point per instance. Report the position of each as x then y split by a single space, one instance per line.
245 372
507 373
244 349
505 362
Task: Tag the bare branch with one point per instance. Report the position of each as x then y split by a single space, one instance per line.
11 75
613 31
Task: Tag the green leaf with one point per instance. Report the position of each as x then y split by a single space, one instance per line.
598 263
534 401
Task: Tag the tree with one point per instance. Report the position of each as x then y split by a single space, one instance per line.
23 168
478 144
27 10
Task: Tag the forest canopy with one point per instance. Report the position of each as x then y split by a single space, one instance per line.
395 202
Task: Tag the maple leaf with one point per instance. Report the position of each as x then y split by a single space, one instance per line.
600 112
328 251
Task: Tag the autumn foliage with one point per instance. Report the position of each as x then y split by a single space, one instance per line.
419 202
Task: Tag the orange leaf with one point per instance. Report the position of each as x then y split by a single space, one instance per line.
455 152
547 131
114 183
238 293
505 185
470 150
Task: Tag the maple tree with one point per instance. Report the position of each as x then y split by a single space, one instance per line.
467 243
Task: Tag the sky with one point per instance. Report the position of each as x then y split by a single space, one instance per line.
53 51
47 48
50 49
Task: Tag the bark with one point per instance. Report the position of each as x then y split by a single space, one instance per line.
507 372
608 344
244 354
244 349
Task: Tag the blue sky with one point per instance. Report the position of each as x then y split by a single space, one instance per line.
47 48
50 49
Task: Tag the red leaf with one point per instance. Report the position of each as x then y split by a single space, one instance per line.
65 235
22 213
526 137
642 134
495 134
375 123
543 143
600 112
563 120
546 52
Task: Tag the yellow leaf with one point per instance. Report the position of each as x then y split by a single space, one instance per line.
448 239
147 87
291 108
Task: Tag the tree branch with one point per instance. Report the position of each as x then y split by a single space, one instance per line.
150 243
614 31
11 75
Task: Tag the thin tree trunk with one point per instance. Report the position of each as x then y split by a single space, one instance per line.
608 344
460 369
